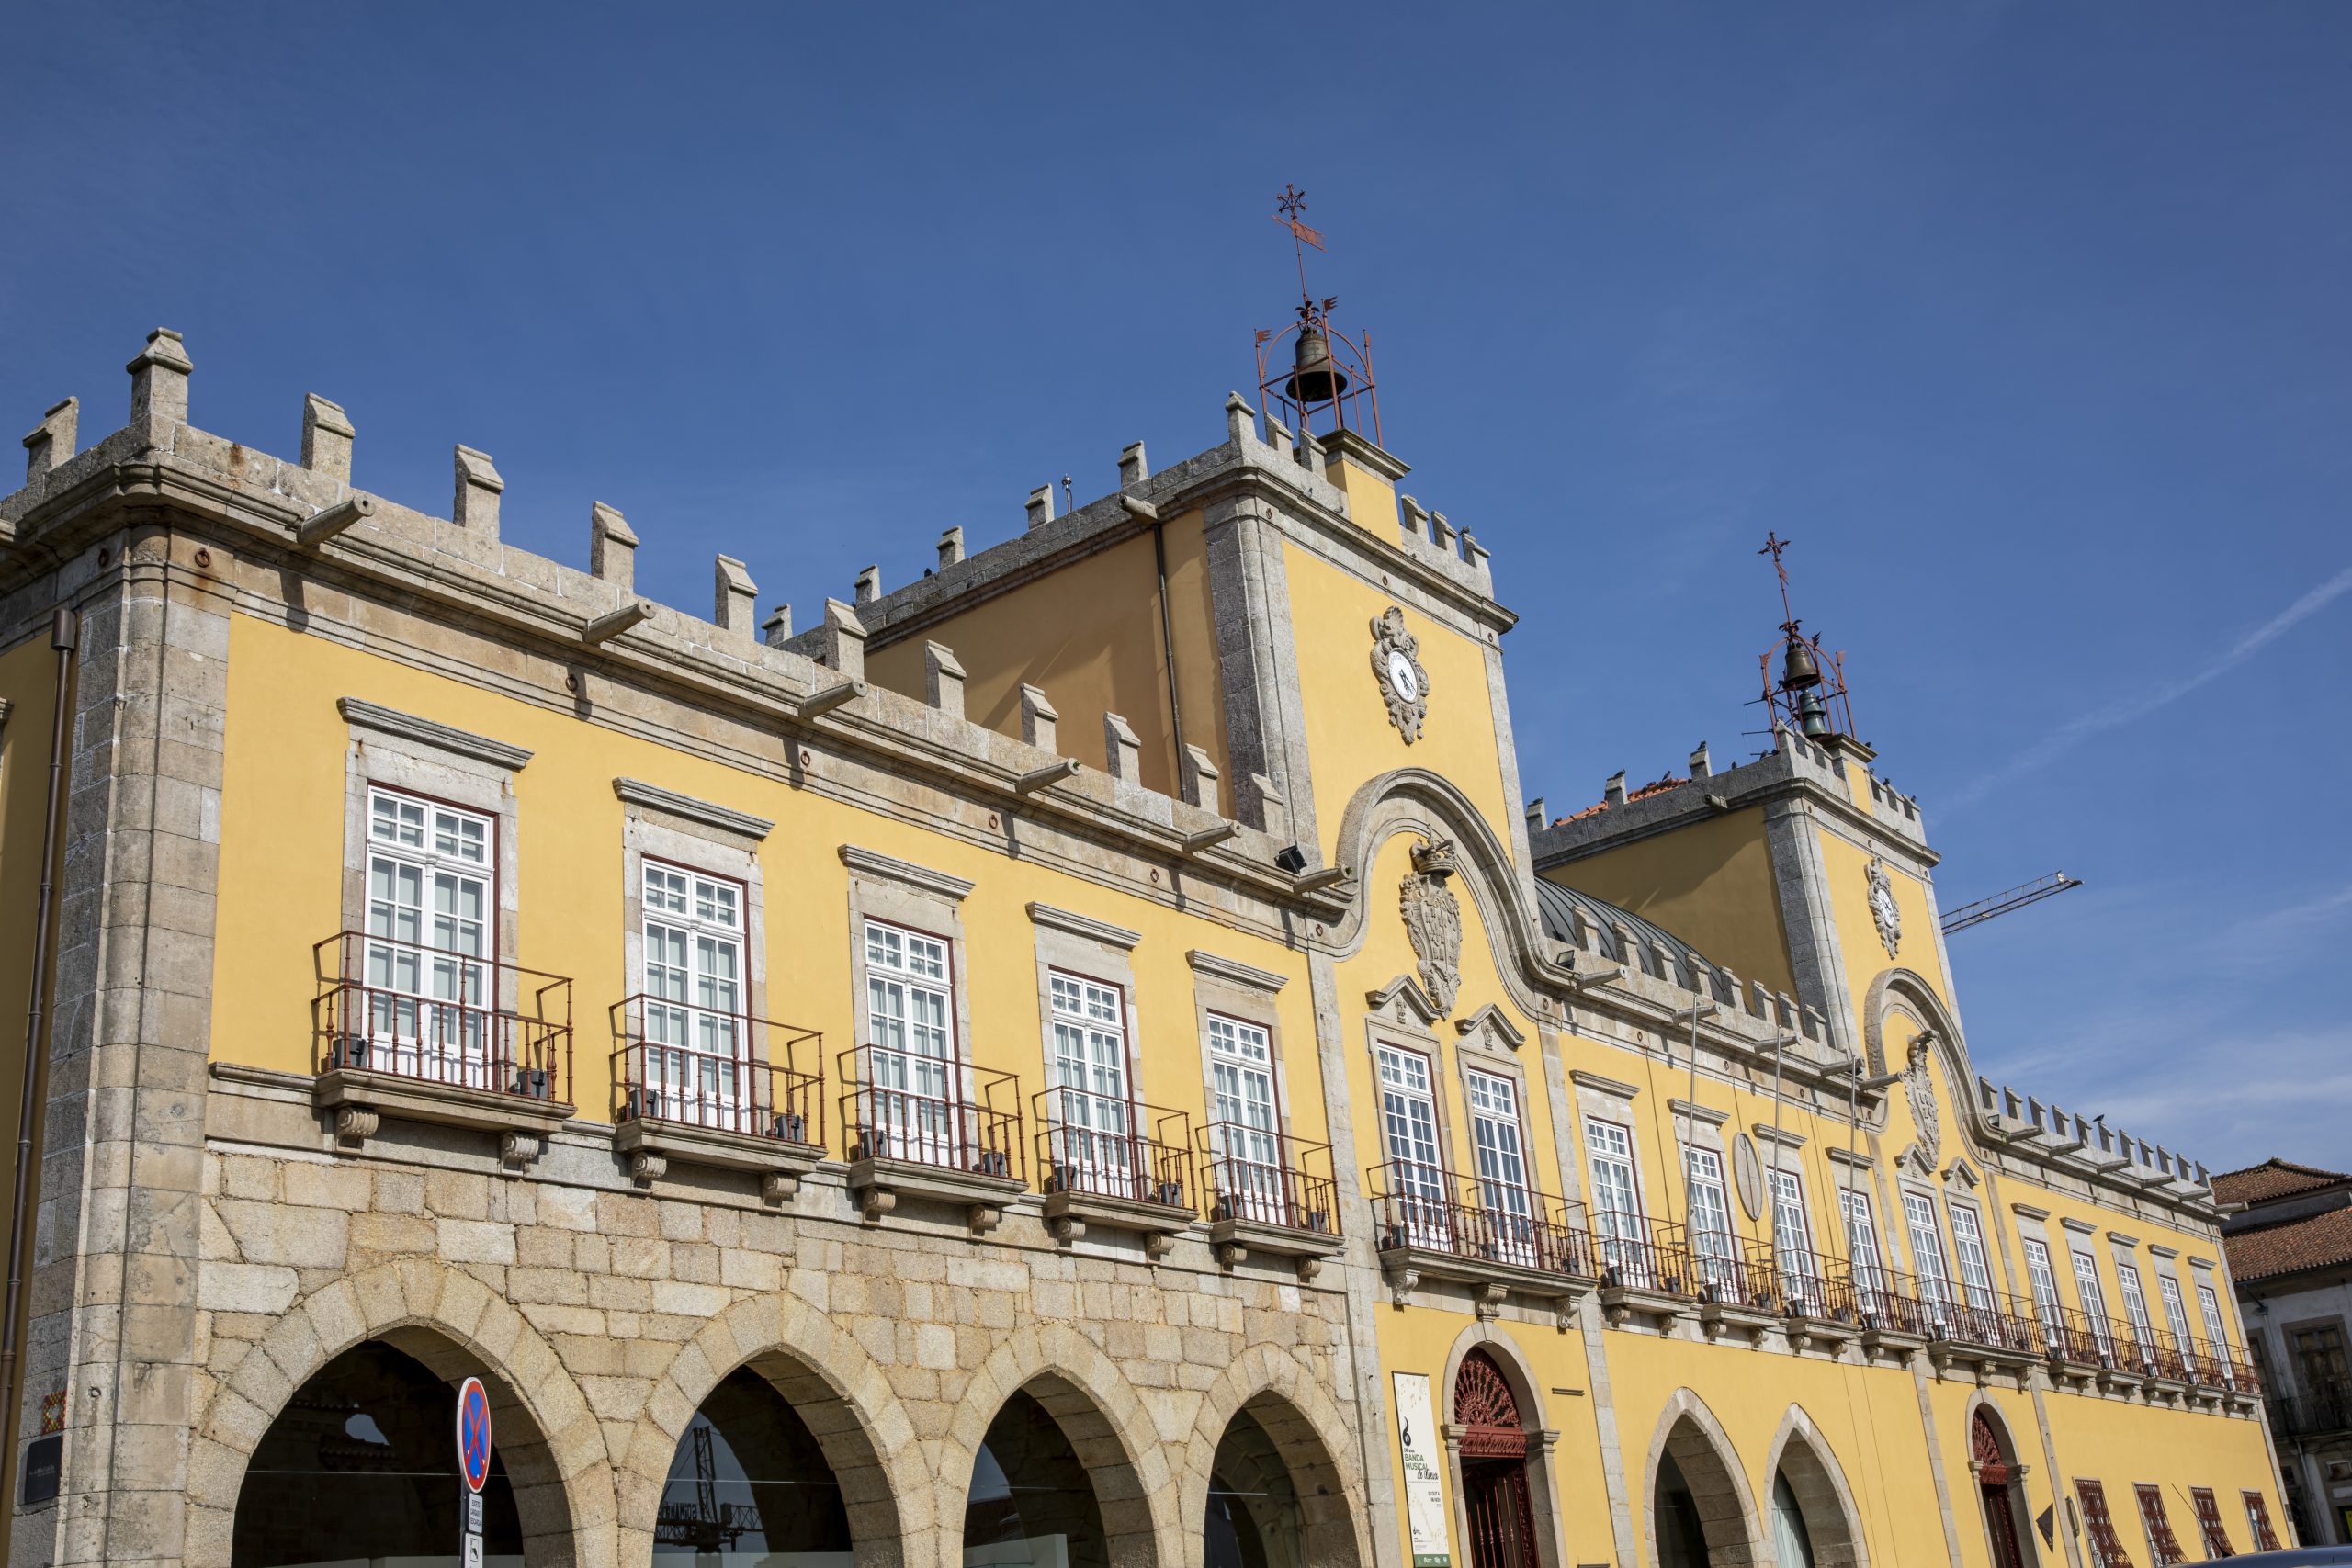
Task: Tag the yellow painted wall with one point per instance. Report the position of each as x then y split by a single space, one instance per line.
1846 865
1372 501
1088 635
1348 737
1709 882
282 836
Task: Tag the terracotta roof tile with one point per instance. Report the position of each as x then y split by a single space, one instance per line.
1648 790
2315 1242
2271 1180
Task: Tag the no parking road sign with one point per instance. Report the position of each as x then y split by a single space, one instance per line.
473 1434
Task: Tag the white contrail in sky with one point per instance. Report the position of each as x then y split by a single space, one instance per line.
2075 731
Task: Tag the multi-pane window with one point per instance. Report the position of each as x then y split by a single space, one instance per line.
1968 1250
1861 1246
2208 1523
695 1029
2044 1283
1711 1235
910 1005
1092 1115
1245 1139
1793 1240
1927 1254
430 944
2209 1306
2135 1310
2094 1297
2106 1547
2176 1312
1502 1164
1616 1200
1409 1129
2257 1518
2320 1363
2164 1547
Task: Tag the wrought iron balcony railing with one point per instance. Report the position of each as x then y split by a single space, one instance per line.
727 1072
1095 1146
900 1105
2312 1412
1638 1254
441 1017
1263 1177
1428 1208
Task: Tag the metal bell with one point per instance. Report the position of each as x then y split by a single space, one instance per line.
1813 718
1312 377
1799 669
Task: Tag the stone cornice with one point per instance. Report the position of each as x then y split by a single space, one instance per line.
1072 924
889 868
654 798
363 715
1233 972
1613 1088
1708 1114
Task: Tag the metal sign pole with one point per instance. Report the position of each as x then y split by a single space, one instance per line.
473 1467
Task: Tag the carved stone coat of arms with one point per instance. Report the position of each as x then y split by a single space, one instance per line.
1434 923
1919 1086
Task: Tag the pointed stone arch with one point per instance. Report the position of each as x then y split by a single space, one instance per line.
1296 1411
1689 1431
1098 1410
839 1392
547 1436
1832 1521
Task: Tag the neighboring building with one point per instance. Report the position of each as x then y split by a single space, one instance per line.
1199 1136
2288 1230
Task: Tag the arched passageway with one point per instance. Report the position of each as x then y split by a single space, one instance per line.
1699 1515
361 1464
1815 1524
1254 1519
750 1485
1032 1503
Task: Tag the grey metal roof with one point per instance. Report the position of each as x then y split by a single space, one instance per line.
1560 907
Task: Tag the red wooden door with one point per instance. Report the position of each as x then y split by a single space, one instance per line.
1501 1519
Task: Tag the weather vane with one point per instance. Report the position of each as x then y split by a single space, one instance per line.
1293 202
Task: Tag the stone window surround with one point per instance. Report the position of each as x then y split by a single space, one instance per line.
704 839
1700 1127
1385 1035
1989 1243
1086 949
1601 1098
1245 994
433 761
893 892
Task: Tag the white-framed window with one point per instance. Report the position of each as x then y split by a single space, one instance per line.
1616 1200
2043 1280
1928 1254
1495 1142
1861 1247
2135 1308
695 1031
1093 1112
2216 1333
2094 1298
911 1029
1245 1130
1711 1233
1968 1250
1793 1239
431 941
1408 1134
2176 1313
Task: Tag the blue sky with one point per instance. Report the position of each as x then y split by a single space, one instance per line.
2028 323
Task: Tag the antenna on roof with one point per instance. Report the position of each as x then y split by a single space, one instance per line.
1810 695
1329 371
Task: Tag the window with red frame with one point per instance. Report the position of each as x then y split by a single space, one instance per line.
2257 1516
2208 1522
2106 1547
2163 1545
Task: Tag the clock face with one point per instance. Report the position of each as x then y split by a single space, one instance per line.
1882 900
1401 679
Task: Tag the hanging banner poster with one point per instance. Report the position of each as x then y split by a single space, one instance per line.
1418 1441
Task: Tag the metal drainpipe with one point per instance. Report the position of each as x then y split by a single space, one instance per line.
1167 649
63 634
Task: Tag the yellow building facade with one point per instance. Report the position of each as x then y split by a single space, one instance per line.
1083 1059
